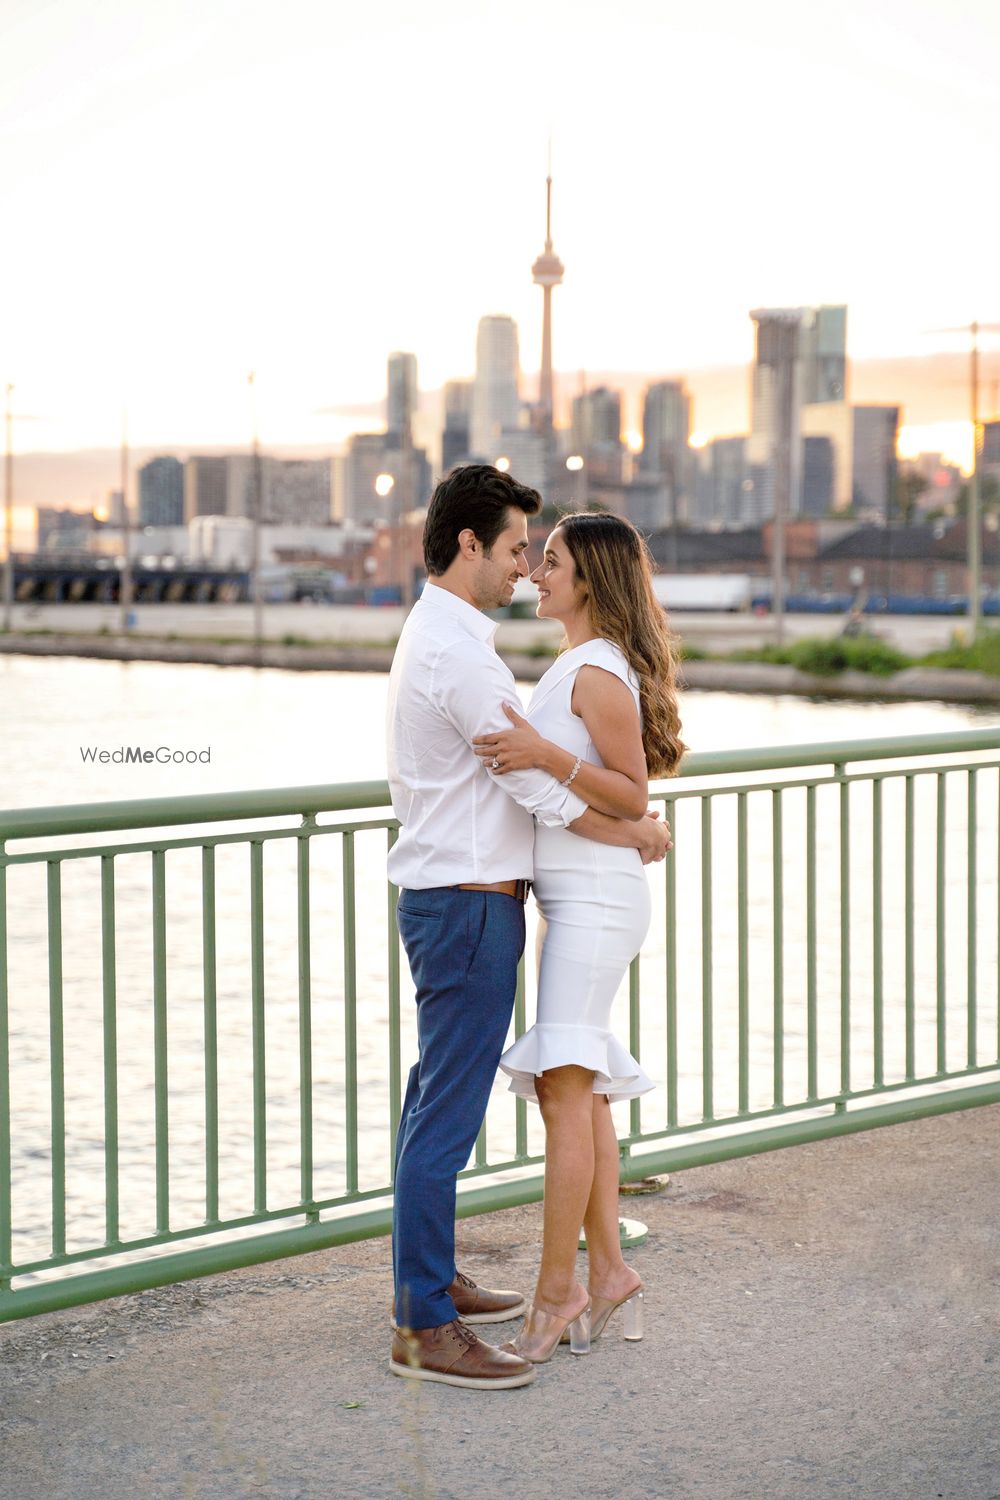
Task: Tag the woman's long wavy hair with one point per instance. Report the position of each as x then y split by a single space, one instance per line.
614 566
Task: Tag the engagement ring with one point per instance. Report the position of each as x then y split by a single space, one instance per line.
494 764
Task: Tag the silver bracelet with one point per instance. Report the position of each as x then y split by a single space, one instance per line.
572 775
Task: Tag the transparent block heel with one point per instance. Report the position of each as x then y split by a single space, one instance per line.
579 1333
632 1315
543 1332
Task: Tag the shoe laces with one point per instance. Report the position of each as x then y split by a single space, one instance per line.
465 1281
465 1333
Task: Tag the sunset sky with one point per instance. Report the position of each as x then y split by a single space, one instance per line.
194 189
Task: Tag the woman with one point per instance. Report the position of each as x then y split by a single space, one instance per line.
604 720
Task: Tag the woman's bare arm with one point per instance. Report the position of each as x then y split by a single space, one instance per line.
607 708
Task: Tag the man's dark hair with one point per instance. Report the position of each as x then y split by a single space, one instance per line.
475 497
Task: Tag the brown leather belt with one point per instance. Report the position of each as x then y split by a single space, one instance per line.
517 888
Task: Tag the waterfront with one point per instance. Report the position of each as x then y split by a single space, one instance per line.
709 631
267 729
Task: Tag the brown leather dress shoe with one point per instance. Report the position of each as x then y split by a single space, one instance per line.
453 1354
474 1304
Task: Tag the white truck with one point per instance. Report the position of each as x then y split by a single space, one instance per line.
723 593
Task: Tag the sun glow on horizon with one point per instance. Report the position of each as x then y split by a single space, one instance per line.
953 440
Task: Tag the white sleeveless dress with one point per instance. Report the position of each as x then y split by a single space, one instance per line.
594 899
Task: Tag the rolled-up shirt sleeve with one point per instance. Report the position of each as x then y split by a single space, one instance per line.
471 688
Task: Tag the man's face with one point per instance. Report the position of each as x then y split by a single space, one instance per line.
506 563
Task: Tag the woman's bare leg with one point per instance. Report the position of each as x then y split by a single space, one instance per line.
609 1276
566 1099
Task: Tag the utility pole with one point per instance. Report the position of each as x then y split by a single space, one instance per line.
125 589
8 513
972 516
973 509
258 629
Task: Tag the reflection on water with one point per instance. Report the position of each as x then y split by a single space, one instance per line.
267 728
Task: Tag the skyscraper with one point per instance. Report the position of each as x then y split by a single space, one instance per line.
823 351
496 403
547 273
455 439
874 468
800 360
597 435
402 396
666 430
597 418
666 427
206 486
161 492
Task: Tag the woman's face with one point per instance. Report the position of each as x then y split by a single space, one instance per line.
560 593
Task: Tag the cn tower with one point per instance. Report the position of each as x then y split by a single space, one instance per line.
547 272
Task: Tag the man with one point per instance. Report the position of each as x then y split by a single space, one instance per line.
463 861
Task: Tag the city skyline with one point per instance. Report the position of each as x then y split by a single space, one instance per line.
191 198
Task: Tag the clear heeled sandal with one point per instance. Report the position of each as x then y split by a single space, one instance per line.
543 1332
631 1315
601 1310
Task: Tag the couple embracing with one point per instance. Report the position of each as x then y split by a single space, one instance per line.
490 804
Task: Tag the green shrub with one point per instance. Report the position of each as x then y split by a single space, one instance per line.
825 656
981 656
866 654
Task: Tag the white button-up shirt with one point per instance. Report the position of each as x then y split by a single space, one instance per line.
459 823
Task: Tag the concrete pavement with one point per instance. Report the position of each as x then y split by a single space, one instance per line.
821 1322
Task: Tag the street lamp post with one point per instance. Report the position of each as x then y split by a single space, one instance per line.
125 587
8 513
384 486
258 610
972 518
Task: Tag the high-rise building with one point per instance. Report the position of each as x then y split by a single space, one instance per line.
161 492
526 451
875 464
666 426
597 418
800 359
456 443
990 453
819 474
827 429
496 402
666 430
721 468
823 351
597 435
547 273
367 458
298 491
848 458
370 454
402 395
206 487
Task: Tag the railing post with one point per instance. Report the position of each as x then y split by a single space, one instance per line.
306 1190
6 1228
845 934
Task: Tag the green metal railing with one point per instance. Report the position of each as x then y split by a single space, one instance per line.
203 1036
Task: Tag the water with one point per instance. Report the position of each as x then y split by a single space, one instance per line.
267 728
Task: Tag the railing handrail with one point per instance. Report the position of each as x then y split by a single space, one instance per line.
212 807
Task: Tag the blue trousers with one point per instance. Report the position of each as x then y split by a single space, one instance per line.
463 949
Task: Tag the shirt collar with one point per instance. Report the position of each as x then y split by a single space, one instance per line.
467 615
